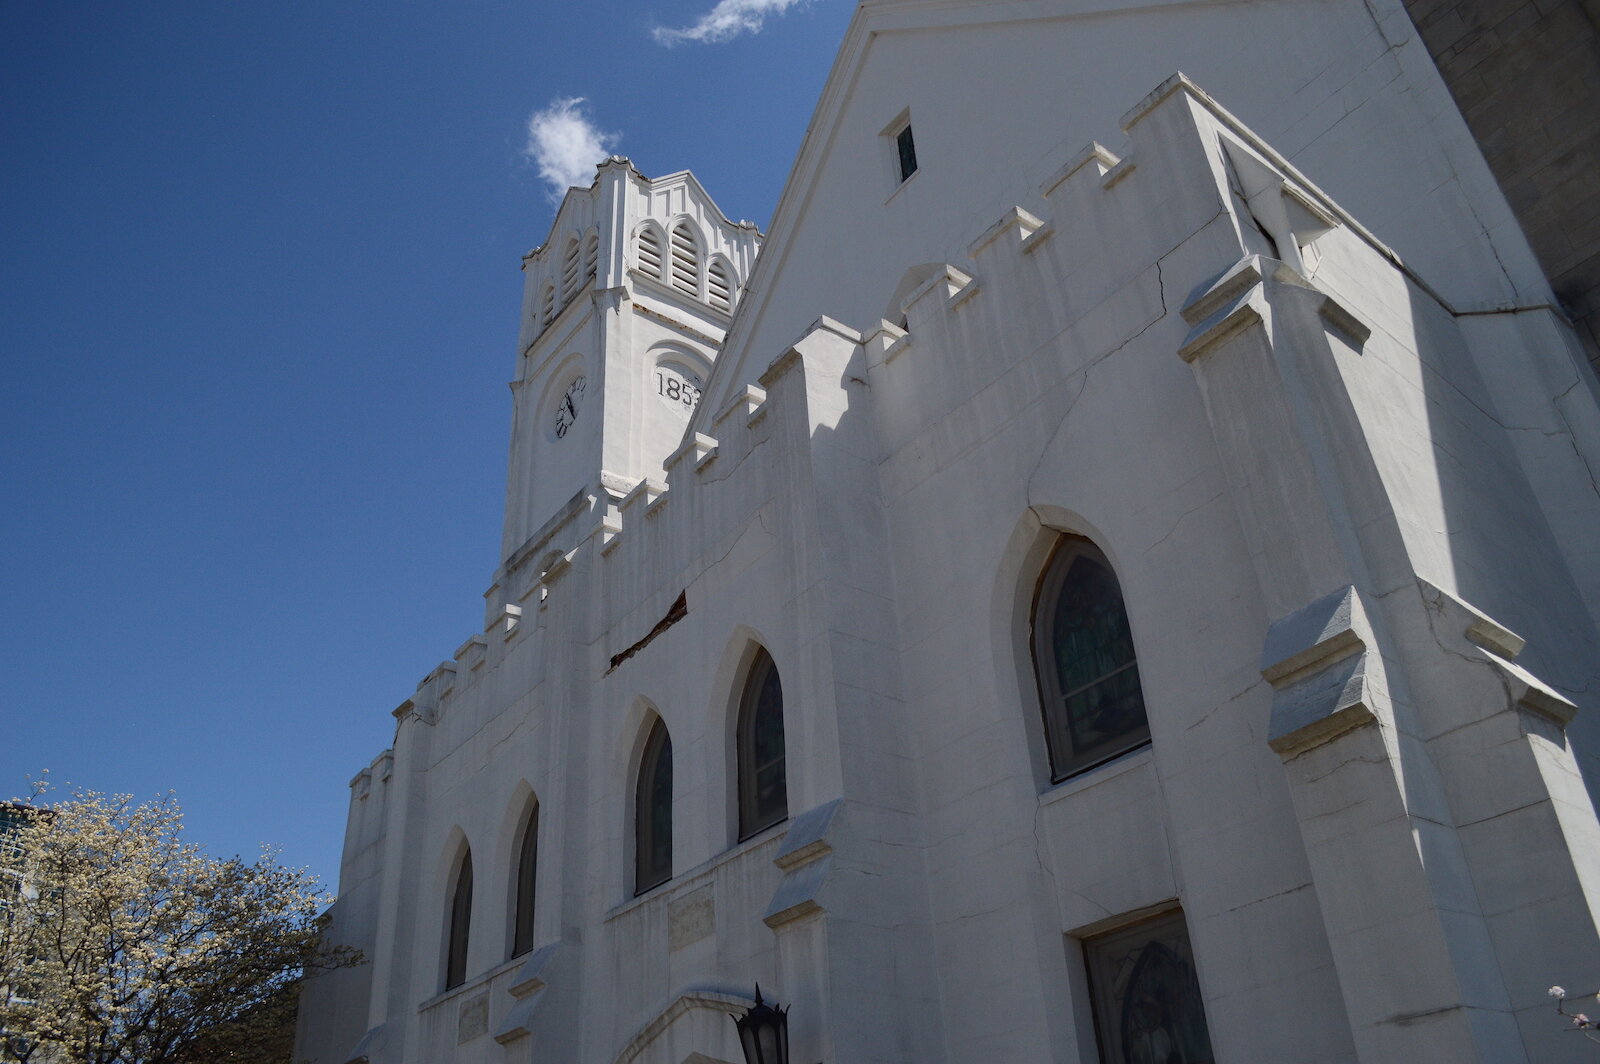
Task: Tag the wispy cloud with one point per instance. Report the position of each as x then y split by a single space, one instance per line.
566 145
727 20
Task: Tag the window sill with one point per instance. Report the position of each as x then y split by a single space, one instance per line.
901 186
472 984
1120 765
689 880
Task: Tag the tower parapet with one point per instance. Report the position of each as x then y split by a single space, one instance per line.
625 306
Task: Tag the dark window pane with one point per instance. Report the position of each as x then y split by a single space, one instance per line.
527 868
653 812
908 153
1088 676
455 967
763 791
1147 1003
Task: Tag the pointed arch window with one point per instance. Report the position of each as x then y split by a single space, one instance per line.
455 962
526 879
685 259
1084 657
649 252
758 738
652 812
1146 997
719 287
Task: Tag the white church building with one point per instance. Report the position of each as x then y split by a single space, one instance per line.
1115 579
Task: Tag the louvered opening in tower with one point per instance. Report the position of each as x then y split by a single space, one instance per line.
547 310
591 256
719 290
685 260
569 271
650 252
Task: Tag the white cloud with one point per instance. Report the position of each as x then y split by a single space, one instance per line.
726 21
566 145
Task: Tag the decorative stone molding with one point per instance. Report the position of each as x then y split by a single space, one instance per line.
472 652
751 399
806 856
887 341
951 285
701 446
509 618
1095 155
519 1020
368 1042
807 837
1497 645
528 987
1016 220
1237 300
1231 304
713 998
608 529
1316 661
535 972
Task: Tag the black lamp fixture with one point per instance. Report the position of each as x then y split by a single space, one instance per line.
764 1033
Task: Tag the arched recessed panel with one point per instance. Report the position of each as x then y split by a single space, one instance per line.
1088 672
759 739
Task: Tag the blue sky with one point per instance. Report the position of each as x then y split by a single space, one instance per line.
258 305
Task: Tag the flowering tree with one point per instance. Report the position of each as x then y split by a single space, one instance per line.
1580 1020
121 944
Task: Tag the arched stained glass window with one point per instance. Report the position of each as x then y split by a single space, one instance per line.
763 788
1147 1000
652 820
1083 651
527 875
455 963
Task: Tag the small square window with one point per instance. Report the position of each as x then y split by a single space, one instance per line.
906 147
1147 1004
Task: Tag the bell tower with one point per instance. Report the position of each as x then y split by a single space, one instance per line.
624 309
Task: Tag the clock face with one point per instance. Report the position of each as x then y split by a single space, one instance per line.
567 408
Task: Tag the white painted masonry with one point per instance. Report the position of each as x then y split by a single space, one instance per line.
1277 348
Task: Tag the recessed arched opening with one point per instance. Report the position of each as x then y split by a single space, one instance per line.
1084 661
647 251
458 917
685 258
759 749
652 811
525 880
571 264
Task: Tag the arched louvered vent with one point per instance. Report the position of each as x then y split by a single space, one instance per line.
591 256
547 304
569 270
685 259
719 287
650 252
